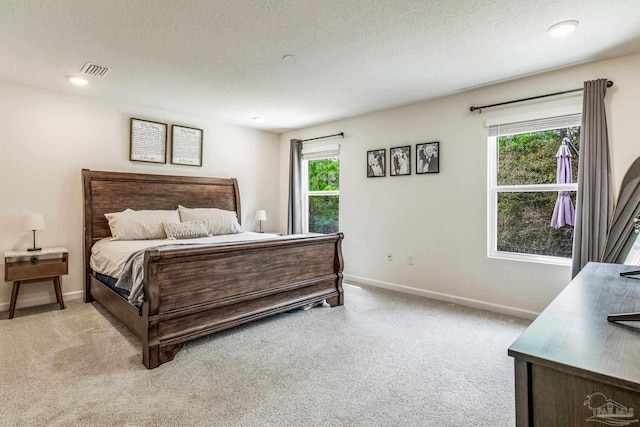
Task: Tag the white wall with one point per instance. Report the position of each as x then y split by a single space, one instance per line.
442 218
48 137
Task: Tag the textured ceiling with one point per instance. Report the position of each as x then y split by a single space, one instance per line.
223 58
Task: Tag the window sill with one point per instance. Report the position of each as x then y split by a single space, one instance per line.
540 259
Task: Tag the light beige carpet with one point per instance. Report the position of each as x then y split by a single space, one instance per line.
384 359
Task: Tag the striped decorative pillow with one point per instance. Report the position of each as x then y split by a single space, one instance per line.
185 230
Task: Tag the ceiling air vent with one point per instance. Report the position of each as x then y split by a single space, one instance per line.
94 70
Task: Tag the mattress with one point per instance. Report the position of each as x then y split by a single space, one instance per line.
108 257
123 260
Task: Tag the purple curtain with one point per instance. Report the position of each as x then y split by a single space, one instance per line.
594 204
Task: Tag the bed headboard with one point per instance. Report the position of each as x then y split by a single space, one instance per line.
106 192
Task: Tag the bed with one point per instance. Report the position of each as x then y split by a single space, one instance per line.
195 291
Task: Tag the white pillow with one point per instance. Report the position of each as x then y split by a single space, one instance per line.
216 221
140 225
185 230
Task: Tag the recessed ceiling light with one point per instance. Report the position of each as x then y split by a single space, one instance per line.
291 58
79 81
562 28
259 119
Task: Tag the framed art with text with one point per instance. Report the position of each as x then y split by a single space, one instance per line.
186 146
428 157
148 141
376 163
400 161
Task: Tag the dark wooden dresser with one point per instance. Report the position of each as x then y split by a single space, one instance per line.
572 366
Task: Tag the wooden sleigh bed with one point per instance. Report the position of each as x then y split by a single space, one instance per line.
195 291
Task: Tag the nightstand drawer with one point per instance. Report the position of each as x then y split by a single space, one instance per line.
43 268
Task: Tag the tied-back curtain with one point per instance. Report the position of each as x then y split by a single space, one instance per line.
294 223
594 204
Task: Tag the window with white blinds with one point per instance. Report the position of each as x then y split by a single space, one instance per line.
321 186
524 188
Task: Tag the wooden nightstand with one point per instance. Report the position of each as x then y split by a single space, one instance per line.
37 266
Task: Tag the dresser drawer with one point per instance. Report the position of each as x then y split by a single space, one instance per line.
561 399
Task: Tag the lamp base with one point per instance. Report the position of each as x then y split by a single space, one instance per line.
34 249
624 317
631 274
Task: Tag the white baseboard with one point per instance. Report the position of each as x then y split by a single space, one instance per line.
348 278
483 305
40 300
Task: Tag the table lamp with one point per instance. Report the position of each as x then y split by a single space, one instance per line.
34 222
261 215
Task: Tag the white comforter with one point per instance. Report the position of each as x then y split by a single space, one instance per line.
123 259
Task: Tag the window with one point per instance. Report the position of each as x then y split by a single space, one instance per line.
524 188
322 195
321 187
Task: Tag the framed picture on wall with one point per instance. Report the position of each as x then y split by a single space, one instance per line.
400 161
186 145
428 157
376 163
148 141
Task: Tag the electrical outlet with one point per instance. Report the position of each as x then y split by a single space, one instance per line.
389 256
410 259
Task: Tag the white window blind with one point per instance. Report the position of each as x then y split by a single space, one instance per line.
537 125
319 150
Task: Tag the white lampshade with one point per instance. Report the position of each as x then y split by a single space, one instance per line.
34 222
261 215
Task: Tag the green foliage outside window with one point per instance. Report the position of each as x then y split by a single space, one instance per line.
524 218
323 214
324 175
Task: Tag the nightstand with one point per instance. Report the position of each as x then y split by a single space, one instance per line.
35 266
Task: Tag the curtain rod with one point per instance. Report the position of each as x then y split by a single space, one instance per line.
472 109
322 137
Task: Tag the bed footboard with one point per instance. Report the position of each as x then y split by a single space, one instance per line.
190 293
